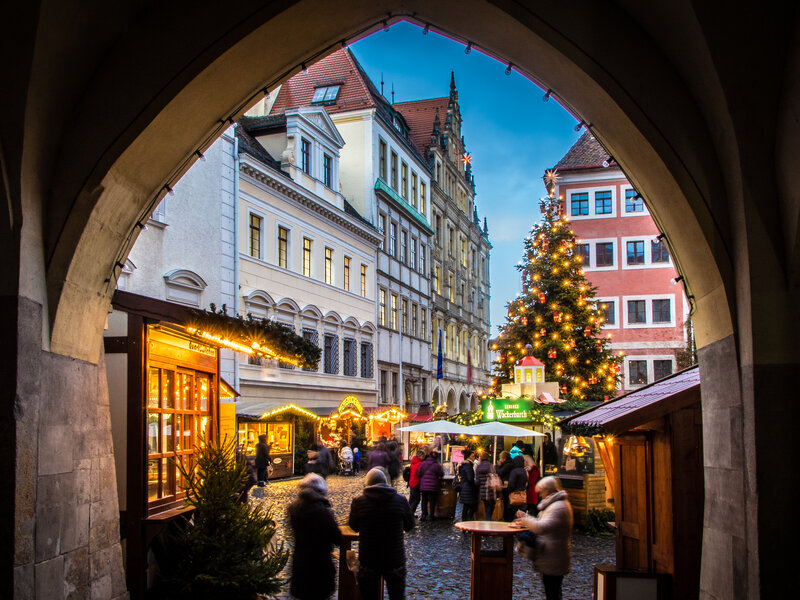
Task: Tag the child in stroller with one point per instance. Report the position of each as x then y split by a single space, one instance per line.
345 460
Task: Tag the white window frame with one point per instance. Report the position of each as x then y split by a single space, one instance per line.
262 246
593 254
622 213
648 307
591 192
615 300
289 236
650 361
648 253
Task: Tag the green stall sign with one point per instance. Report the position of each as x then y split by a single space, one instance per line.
505 409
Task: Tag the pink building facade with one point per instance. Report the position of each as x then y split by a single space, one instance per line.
627 260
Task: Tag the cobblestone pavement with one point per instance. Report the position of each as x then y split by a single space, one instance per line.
438 553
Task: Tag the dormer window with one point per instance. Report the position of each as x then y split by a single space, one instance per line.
326 95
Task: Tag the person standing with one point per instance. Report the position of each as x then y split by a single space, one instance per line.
324 459
381 516
430 484
393 462
486 493
468 495
533 478
413 480
378 457
517 484
263 460
548 453
553 528
356 460
313 575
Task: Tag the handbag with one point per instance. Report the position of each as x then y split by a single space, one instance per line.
493 482
270 469
518 497
497 513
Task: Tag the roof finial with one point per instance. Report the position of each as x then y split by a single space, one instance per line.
436 122
393 92
453 92
382 84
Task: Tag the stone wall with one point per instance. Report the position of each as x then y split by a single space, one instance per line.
67 542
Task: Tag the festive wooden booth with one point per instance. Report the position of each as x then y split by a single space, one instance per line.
166 401
382 422
651 441
340 425
280 424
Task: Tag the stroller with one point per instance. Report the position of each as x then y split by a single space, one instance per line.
345 461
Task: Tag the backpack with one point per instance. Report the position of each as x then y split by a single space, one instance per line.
407 474
457 481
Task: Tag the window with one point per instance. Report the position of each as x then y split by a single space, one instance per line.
394 171
346 282
255 236
329 266
350 357
307 244
423 318
635 253
608 312
463 252
283 247
658 252
326 95
461 294
450 287
604 254
404 247
382 230
437 280
404 315
633 202
383 386
178 417
582 250
412 262
160 212
636 312
451 241
327 163
382 160
393 239
394 387
661 369
438 226
422 196
414 330
662 312
331 351
363 281
414 189
404 181
602 202
422 260
382 307
580 204
394 312
305 156
366 360
637 372
312 335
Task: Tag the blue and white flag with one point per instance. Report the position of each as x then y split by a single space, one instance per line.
439 361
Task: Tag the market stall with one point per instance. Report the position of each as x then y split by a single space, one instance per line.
347 421
383 421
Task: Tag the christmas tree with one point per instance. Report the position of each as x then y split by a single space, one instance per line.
555 316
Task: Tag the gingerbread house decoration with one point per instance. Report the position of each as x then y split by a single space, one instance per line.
528 370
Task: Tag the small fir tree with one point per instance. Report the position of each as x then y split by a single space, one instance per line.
556 315
225 550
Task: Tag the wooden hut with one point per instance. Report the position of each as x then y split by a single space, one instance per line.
651 442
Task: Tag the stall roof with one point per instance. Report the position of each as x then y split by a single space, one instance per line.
250 409
648 403
227 390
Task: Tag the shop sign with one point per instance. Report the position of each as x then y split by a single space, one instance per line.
503 409
350 403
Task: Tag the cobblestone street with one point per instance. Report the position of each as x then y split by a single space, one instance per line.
438 554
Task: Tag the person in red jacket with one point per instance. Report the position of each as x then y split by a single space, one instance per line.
413 481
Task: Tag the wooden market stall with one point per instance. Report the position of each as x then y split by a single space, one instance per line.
651 441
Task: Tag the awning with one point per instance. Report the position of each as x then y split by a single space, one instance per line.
387 414
260 411
226 390
424 414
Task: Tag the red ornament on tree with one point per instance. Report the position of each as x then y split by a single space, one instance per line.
587 331
543 331
564 389
557 317
542 298
552 353
592 379
572 343
599 346
524 320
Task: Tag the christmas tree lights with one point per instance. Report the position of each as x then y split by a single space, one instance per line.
556 315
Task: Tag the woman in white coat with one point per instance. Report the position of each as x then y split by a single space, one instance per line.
553 529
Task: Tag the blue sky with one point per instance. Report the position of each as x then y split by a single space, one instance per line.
511 134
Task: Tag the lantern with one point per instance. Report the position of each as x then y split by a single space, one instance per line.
552 353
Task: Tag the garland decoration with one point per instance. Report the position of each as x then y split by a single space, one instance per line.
252 335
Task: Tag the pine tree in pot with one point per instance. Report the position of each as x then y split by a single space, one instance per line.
225 550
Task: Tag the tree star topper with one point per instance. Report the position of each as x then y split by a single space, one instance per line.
467 159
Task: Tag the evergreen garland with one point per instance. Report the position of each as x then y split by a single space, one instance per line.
556 317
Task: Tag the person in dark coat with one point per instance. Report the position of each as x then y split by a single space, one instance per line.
314 465
430 475
315 532
393 462
517 482
263 460
378 457
325 459
548 453
503 469
468 495
486 494
381 516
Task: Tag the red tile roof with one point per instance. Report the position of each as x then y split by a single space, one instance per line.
530 361
640 406
419 115
586 153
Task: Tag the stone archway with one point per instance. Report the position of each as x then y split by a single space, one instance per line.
92 134
452 402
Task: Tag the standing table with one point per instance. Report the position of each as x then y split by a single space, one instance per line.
492 570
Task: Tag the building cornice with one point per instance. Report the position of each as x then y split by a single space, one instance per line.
335 215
